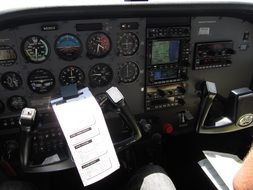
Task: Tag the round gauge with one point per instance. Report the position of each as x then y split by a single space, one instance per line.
2 107
8 56
16 103
41 81
72 75
68 47
100 75
101 99
35 49
128 72
128 43
98 45
11 80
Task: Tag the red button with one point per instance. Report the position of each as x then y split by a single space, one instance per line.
168 128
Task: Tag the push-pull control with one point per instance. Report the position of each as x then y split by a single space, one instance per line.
238 112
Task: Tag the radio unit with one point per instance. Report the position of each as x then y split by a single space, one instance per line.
160 97
213 54
168 50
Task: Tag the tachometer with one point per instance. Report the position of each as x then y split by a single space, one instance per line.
98 45
41 81
16 103
100 75
72 75
35 49
128 44
68 47
8 56
11 80
128 72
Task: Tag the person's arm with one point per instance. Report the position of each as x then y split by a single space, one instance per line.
244 177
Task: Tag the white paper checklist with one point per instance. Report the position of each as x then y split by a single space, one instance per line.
87 135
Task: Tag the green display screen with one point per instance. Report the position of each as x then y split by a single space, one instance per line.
165 51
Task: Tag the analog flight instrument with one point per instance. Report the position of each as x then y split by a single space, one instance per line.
11 80
41 81
98 45
128 72
72 75
16 103
8 56
100 75
68 47
128 44
35 49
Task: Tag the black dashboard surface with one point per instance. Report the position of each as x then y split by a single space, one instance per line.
128 71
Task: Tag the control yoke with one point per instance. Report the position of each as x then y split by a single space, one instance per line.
28 124
117 99
238 110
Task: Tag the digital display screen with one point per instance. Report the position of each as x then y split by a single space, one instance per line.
165 74
164 52
7 54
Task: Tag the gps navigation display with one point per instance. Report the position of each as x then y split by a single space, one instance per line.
164 52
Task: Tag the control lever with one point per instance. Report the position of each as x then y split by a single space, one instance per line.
117 99
208 94
238 114
26 122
